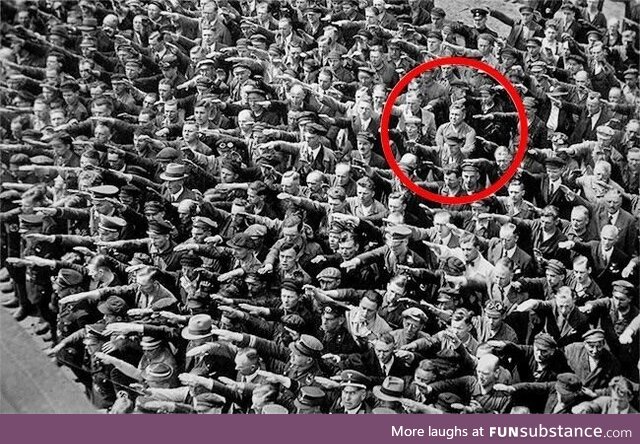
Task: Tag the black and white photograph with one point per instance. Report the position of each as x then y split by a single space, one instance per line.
200 211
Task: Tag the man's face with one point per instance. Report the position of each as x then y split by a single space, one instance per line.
244 366
469 180
452 181
365 195
516 193
486 374
461 329
383 351
541 354
396 206
368 309
352 397
621 301
548 223
160 241
102 134
502 276
633 159
578 221
411 327
57 118
189 133
201 115
287 259
553 172
330 322
593 106
581 271
240 253
553 279
594 349
508 239
456 116
70 97
614 202
608 239
347 249
565 305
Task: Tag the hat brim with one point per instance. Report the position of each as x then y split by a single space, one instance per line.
172 178
190 337
377 392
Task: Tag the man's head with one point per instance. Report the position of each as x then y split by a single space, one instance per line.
460 323
487 371
247 361
579 218
469 245
508 236
609 236
565 301
384 348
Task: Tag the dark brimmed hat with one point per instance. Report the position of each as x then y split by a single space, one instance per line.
104 192
68 277
307 346
353 378
568 384
310 396
114 306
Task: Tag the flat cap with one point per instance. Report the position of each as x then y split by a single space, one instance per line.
241 240
568 384
204 223
556 267
605 131
256 230
330 273
593 335
624 287
414 313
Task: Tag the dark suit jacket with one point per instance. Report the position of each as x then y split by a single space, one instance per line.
608 366
603 273
626 223
584 130
570 331
523 262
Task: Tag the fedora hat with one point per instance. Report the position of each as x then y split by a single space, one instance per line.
199 327
174 171
391 389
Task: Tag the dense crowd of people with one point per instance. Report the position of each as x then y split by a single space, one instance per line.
197 210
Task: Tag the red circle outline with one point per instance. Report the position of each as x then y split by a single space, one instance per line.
515 163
